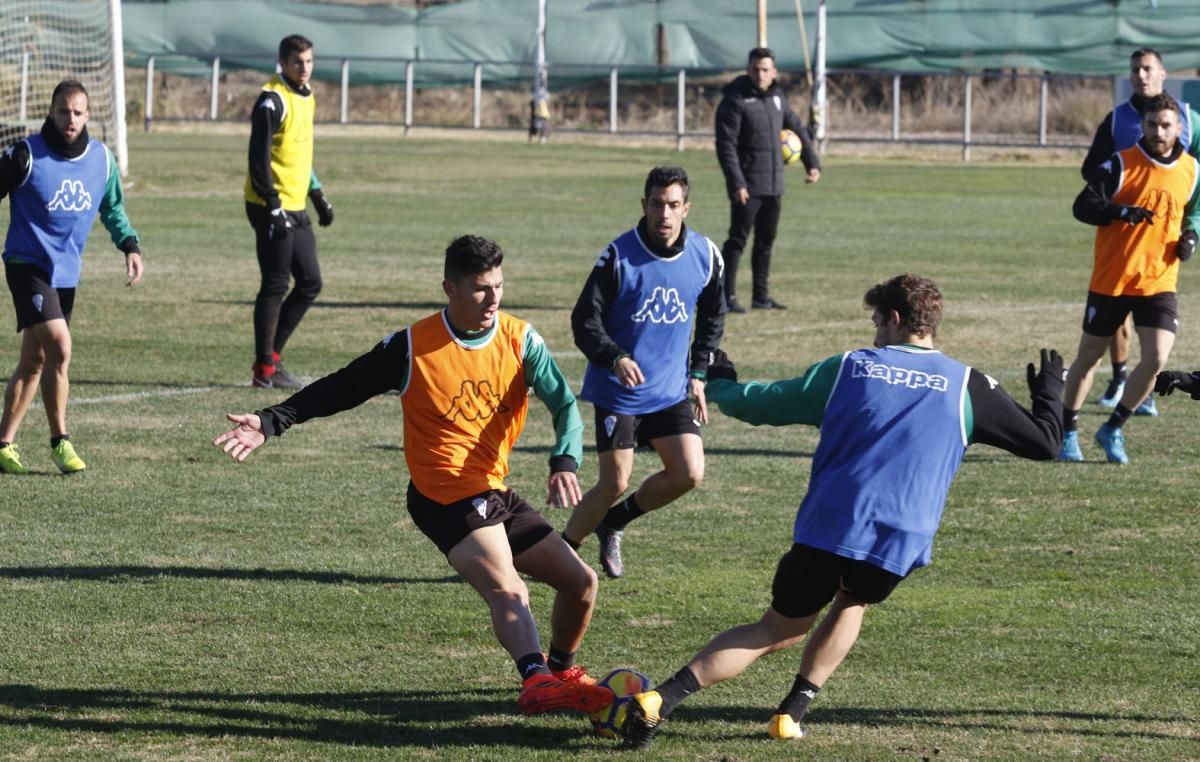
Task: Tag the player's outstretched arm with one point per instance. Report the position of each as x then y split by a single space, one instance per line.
1000 421
244 438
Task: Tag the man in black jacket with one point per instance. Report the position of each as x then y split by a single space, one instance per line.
751 116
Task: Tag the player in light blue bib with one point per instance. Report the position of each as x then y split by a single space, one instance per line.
57 182
895 421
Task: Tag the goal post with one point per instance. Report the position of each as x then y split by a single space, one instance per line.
43 42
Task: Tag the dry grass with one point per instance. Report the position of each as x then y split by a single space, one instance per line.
1004 106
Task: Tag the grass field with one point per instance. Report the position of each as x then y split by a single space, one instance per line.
169 603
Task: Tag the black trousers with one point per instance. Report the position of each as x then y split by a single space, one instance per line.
277 312
760 214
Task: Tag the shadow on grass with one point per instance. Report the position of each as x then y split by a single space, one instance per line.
1031 721
430 719
126 573
445 719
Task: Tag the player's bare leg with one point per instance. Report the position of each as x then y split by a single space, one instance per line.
832 640
616 466
1155 346
22 386
485 561
729 654
55 339
726 656
683 469
1082 370
1118 353
575 584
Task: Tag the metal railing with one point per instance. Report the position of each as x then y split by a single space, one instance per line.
966 137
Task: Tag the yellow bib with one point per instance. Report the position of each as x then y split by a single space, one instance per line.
291 149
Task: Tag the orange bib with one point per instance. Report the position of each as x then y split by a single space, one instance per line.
1139 260
464 407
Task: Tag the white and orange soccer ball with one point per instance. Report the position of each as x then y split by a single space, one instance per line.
790 145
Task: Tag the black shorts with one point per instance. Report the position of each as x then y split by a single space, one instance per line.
35 300
807 579
617 431
448 525
1105 314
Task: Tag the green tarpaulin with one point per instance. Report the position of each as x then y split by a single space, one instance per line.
586 37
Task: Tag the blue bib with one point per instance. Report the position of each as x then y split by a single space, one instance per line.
652 319
892 438
1127 126
53 209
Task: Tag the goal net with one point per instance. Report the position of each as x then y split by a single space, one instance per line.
43 42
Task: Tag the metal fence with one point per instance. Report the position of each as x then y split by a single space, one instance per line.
989 109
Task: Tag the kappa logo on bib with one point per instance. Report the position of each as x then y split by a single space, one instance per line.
475 401
663 306
70 197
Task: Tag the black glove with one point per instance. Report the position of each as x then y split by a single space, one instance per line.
280 224
1135 215
721 367
1049 377
1187 246
324 208
1170 380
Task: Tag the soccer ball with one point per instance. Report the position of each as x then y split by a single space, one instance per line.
624 683
789 143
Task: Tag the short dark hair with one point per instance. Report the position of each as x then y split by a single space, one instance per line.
665 177
757 54
1147 52
293 43
1162 102
67 88
471 255
916 299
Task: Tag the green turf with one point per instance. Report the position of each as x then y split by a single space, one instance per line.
168 603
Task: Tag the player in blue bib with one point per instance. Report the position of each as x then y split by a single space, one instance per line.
648 319
895 421
57 182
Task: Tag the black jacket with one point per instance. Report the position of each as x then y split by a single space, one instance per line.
749 121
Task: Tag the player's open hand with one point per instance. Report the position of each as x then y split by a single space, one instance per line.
813 177
629 373
699 402
564 489
1048 377
245 437
133 268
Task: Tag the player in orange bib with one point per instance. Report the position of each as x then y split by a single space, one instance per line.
1143 202
464 375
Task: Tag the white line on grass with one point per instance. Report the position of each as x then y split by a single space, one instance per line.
136 396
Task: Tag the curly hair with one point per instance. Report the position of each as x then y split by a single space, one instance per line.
917 300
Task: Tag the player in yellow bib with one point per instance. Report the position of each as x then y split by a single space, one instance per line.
464 375
279 182
1143 202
